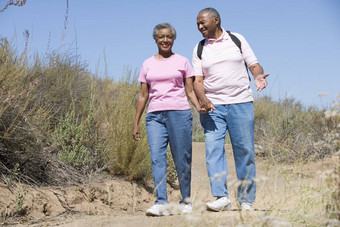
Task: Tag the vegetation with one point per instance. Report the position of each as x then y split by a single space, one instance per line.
14 3
290 133
60 124
53 110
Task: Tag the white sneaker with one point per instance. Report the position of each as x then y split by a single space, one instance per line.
187 209
157 210
247 207
219 204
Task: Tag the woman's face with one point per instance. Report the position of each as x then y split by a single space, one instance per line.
165 40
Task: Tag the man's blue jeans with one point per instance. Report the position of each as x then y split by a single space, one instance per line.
238 119
173 127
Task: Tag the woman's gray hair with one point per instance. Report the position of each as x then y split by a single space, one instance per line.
213 13
161 26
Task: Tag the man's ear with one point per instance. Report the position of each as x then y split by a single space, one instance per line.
217 20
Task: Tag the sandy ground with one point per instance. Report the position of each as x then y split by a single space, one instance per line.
114 202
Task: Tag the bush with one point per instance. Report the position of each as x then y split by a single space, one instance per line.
53 110
126 156
291 133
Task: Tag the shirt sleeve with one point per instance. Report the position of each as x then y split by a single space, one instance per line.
196 63
248 54
188 69
142 74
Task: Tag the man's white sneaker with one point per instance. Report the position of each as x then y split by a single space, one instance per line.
187 209
157 210
219 204
247 207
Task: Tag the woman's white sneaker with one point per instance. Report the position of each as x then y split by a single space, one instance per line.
187 209
220 204
157 210
247 207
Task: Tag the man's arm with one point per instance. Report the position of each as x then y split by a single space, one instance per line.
259 76
200 93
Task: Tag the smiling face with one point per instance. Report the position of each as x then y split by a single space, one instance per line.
165 40
208 25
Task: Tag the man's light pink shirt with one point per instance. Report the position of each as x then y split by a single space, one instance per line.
225 76
165 78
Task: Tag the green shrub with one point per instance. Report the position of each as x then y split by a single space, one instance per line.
71 136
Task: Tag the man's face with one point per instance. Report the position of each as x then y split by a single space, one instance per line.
207 24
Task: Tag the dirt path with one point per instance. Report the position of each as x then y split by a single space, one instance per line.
280 188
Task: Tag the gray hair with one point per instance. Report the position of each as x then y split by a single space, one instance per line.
213 13
161 26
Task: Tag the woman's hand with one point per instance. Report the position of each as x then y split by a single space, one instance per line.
136 134
202 110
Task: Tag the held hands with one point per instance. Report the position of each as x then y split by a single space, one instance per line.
206 106
260 81
202 110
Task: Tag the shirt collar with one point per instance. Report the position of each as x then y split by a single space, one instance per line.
224 36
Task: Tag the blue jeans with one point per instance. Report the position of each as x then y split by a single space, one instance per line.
238 119
173 127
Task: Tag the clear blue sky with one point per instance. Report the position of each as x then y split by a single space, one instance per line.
296 41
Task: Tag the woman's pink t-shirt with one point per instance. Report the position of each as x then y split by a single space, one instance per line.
165 78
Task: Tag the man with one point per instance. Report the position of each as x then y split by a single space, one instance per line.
222 86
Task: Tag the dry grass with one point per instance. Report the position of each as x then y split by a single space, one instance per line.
290 133
59 124
53 109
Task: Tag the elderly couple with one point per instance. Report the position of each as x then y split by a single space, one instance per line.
218 87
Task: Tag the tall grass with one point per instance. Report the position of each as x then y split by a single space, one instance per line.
117 103
290 133
53 111
52 107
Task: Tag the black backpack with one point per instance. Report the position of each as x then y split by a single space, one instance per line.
233 38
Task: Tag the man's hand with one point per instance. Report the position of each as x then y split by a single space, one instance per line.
259 76
260 81
207 105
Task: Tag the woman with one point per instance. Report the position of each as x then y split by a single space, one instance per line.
165 79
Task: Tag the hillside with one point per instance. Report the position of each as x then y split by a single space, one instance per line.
287 195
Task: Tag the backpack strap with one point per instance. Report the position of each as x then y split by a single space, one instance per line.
238 44
233 38
200 49
201 44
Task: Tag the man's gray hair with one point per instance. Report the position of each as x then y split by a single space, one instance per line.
213 13
161 26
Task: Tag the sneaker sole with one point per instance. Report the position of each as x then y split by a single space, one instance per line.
247 210
157 215
226 208
186 212
152 214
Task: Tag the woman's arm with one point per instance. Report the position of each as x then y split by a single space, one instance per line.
142 100
189 90
206 104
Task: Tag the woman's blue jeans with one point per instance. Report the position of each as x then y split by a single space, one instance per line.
173 127
238 119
